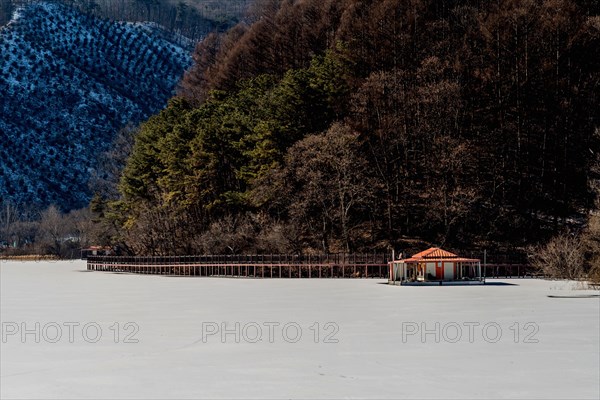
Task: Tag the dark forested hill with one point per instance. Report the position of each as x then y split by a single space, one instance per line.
68 83
354 124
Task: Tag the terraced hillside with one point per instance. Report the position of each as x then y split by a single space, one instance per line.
68 83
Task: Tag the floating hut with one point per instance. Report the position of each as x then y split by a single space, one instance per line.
435 266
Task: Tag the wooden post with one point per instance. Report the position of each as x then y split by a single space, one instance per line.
484 263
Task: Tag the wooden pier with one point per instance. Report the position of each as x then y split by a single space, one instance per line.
249 266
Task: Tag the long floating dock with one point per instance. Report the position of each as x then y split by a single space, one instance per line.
256 266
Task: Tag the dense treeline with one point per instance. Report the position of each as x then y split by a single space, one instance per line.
353 125
26 230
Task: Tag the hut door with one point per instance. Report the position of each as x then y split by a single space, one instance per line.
438 270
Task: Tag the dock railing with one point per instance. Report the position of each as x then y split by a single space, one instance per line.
249 266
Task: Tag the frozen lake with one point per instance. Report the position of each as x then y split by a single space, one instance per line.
69 333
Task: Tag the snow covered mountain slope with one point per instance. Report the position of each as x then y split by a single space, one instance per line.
68 83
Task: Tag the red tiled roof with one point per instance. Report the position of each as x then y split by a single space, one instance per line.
436 254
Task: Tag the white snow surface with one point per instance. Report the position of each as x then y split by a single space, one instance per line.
370 359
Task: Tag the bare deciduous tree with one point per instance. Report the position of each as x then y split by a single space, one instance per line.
561 258
51 231
331 174
229 235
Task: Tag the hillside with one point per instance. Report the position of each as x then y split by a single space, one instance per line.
192 18
69 82
348 125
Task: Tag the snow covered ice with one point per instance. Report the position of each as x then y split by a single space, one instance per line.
503 340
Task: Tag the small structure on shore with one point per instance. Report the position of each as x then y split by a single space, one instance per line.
435 266
96 251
